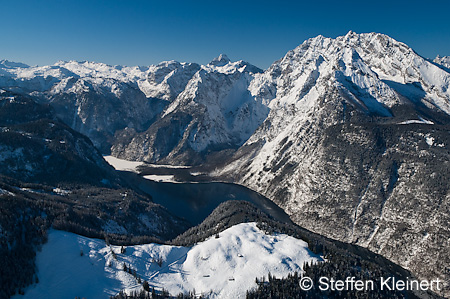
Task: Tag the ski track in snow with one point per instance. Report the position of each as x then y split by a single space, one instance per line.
227 266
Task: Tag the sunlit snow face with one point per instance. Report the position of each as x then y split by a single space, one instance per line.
226 265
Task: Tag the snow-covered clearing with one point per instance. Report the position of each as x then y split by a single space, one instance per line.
166 178
120 164
168 166
227 265
124 165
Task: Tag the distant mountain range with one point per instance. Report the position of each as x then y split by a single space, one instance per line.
350 136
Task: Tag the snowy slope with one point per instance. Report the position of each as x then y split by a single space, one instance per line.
163 81
220 91
10 64
325 82
369 69
395 62
64 76
444 61
215 111
120 164
227 266
344 150
124 165
167 79
206 107
98 99
174 111
65 69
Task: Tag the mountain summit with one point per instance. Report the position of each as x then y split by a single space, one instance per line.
221 60
444 61
353 146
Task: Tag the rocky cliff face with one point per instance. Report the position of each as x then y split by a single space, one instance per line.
171 111
93 98
37 147
214 112
356 146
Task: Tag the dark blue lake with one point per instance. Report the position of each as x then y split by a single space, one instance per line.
195 201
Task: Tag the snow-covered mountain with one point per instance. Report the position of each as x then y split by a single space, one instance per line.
215 111
209 105
444 61
93 98
6 64
224 267
348 135
356 146
167 79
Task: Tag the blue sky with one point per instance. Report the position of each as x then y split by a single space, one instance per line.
136 32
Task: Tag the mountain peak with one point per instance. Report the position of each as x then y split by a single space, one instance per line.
443 60
221 60
350 33
12 65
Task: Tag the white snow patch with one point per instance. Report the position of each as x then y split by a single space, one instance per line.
30 190
6 192
168 166
60 191
160 178
227 266
120 164
196 173
417 121
429 140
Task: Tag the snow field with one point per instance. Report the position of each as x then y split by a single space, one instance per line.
124 165
160 178
120 164
224 267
